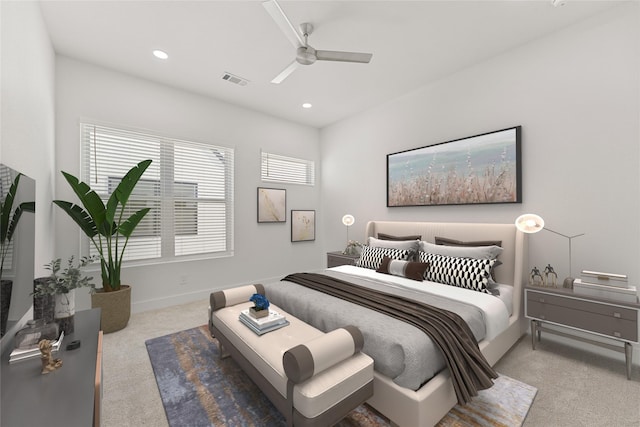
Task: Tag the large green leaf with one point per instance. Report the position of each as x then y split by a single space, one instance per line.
125 187
90 199
126 227
6 208
13 224
80 216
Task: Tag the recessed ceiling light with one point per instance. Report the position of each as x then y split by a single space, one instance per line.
307 105
160 54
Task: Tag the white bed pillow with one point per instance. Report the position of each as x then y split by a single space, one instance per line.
479 252
412 245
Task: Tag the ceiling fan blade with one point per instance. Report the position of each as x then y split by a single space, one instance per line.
332 55
278 15
285 73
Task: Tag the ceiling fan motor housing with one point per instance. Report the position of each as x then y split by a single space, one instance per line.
306 55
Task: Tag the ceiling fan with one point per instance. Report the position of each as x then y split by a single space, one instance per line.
305 54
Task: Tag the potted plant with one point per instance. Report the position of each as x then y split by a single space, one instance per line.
8 223
109 231
260 306
62 286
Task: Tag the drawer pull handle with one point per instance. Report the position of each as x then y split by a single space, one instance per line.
617 334
616 315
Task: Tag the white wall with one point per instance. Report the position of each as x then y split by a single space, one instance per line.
575 93
261 250
27 111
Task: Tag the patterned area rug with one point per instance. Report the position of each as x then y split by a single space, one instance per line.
200 389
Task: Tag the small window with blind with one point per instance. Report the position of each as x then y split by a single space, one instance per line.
287 170
188 186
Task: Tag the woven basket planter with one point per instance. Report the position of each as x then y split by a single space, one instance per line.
116 308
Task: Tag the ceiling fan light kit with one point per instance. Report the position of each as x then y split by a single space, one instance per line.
306 54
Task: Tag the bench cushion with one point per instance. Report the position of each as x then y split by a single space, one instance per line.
311 397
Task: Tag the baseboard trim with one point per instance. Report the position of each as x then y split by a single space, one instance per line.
186 297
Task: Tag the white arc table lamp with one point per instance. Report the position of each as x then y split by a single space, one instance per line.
532 223
348 221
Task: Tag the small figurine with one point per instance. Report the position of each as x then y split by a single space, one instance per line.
535 278
551 277
49 364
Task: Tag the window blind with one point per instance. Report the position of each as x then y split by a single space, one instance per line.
289 170
188 186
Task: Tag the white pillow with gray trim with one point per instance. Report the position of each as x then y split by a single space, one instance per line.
410 245
478 252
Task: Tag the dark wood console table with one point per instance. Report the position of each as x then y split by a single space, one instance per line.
69 396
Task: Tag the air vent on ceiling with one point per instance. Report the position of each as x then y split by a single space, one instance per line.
234 79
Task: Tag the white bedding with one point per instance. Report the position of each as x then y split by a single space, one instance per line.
496 313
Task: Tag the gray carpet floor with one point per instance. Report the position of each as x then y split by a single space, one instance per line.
575 387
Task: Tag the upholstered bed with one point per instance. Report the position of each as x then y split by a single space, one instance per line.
410 389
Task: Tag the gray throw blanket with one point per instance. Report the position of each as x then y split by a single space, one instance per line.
469 369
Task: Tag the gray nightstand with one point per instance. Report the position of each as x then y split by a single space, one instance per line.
337 258
607 318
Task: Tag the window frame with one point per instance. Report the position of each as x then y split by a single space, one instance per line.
225 153
308 165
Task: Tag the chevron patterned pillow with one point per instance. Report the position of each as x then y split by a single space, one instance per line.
372 257
467 273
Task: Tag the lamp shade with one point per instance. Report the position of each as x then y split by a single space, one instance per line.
529 223
348 220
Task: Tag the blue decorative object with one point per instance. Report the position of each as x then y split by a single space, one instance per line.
260 302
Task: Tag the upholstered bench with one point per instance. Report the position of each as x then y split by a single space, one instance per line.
313 378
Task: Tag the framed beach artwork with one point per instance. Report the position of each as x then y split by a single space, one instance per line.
478 169
272 205
303 225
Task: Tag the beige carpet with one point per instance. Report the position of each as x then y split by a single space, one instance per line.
575 388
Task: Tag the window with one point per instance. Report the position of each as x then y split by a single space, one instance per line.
189 188
287 170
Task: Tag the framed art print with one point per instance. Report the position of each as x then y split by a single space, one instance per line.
303 225
272 204
478 169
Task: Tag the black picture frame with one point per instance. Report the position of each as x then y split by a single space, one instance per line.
272 205
479 169
303 225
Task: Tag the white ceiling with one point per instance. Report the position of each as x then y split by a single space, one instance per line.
413 43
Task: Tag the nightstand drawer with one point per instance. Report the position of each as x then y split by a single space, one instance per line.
588 306
605 324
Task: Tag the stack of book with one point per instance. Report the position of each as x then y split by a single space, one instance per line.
33 352
265 324
605 285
